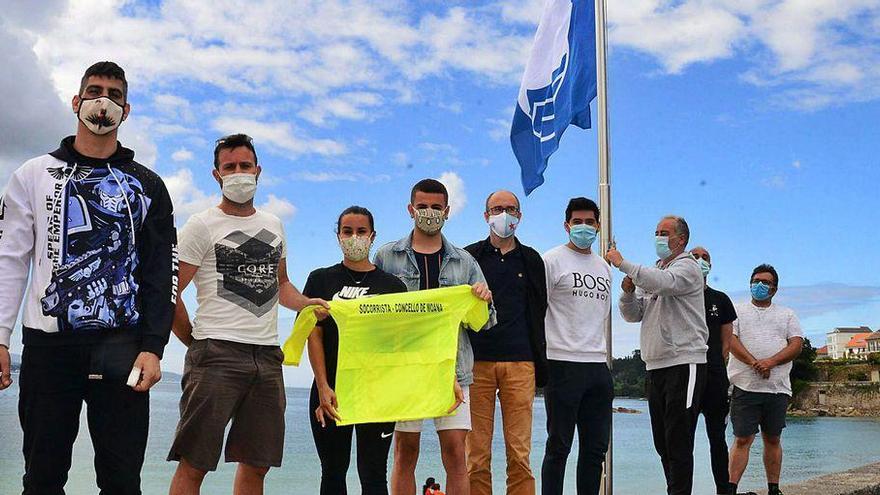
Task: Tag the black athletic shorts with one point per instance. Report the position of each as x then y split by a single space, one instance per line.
748 410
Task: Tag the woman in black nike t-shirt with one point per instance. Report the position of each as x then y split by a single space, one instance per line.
354 277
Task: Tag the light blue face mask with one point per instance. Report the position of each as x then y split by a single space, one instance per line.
760 291
704 266
582 235
661 245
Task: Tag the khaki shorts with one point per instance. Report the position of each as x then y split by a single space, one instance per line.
227 381
461 420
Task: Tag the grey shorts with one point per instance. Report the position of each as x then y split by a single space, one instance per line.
749 410
227 381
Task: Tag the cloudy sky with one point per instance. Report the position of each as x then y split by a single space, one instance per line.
755 119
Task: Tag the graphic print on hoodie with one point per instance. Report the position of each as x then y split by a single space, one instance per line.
90 246
93 285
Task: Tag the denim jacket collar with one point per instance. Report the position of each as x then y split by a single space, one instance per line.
405 245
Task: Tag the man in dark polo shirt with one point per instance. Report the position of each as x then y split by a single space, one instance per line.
509 359
720 315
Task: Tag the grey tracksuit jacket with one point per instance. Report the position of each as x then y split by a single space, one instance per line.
669 303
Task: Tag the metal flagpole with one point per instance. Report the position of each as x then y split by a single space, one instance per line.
604 193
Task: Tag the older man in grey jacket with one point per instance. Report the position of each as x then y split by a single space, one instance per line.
668 300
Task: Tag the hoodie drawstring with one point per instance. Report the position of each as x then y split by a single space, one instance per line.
127 204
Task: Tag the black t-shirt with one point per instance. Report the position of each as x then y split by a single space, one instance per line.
719 311
508 340
340 282
429 269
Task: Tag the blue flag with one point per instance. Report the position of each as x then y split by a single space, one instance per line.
557 87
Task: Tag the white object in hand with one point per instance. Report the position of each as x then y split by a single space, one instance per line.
134 377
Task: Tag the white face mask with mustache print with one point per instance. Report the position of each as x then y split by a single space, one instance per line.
100 115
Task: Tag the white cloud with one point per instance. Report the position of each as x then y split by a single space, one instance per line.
439 147
174 108
455 187
813 53
136 133
678 34
279 207
522 11
186 196
400 158
355 105
464 40
281 135
314 47
776 181
34 119
341 177
499 129
182 155
442 154
453 106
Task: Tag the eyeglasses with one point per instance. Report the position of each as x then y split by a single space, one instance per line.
765 282
244 139
497 210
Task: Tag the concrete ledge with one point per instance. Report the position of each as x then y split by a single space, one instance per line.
863 480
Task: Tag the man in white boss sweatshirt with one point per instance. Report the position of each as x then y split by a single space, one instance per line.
579 388
668 300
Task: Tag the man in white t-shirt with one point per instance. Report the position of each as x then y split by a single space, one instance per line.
236 255
767 337
579 388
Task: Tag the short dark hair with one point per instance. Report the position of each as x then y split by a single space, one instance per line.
431 186
233 141
579 204
355 210
765 268
106 69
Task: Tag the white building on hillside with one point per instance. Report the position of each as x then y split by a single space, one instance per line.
838 338
874 342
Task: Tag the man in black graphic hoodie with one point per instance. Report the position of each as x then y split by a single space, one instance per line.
96 230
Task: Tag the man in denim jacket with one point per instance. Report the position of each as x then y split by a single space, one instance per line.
426 260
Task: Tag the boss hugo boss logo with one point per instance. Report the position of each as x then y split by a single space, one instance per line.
590 286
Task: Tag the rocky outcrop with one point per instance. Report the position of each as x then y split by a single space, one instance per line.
842 399
863 480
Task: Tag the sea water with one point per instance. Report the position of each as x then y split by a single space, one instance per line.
813 446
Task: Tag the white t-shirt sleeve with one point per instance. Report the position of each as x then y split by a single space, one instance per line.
550 262
193 242
736 325
794 327
283 239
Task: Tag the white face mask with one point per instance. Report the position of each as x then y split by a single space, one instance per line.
239 188
355 248
100 115
503 224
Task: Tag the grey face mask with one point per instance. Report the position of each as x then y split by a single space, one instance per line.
429 220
